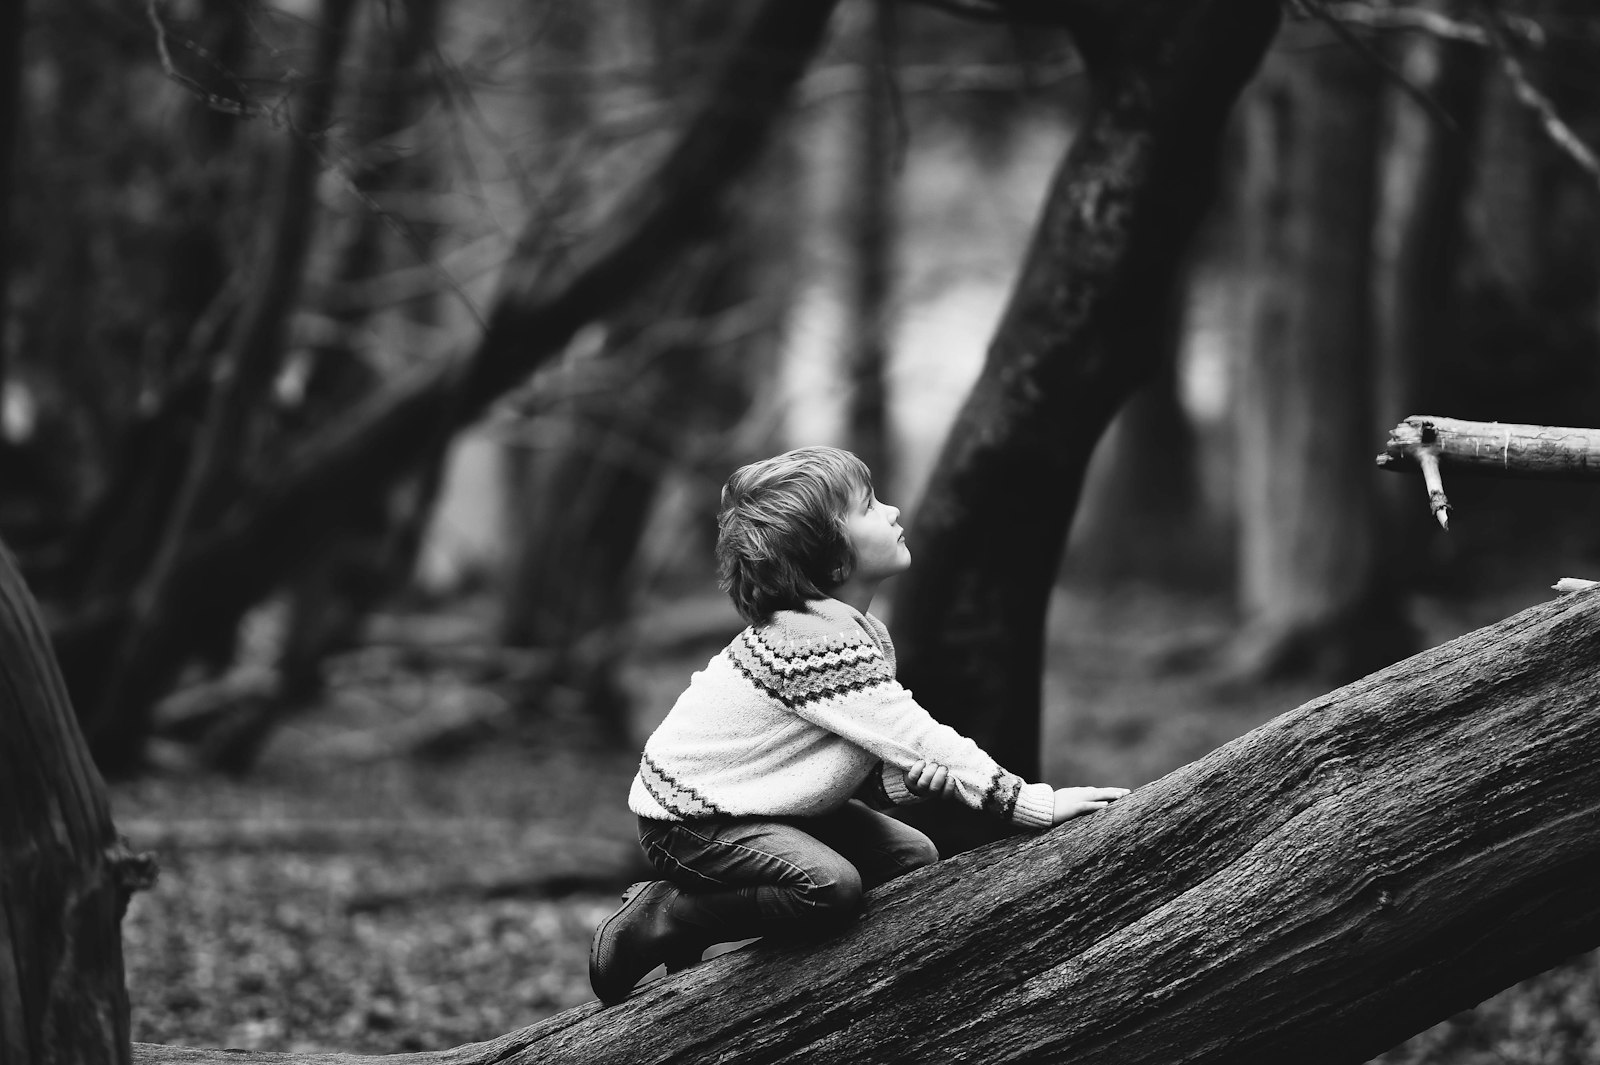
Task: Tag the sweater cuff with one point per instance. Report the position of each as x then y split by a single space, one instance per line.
1036 806
894 786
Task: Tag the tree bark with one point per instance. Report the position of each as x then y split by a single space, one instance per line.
1315 891
62 998
1070 348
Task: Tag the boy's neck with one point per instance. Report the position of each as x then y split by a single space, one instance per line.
856 593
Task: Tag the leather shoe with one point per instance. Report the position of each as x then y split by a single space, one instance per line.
639 936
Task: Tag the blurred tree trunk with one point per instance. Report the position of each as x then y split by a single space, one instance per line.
1311 584
1314 892
371 552
1532 283
64 878
120 530
1139 518
228 448
869 207
1425 169
1077 338
11 24
270 527
677 363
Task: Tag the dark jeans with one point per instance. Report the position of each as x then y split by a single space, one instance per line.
746 876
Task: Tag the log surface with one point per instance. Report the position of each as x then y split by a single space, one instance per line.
1546 451
1317 890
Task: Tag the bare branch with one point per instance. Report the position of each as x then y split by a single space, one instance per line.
237 105
1422 97
1435 23
1561 135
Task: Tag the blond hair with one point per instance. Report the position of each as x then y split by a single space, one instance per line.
781 537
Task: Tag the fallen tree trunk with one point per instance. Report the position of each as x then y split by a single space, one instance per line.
1315 891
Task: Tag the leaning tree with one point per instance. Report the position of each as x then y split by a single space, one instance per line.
1085 327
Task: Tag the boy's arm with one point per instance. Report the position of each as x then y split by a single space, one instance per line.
876 713
845 684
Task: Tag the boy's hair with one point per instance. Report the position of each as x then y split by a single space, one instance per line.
781 536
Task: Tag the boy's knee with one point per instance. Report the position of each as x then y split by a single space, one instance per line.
839 894
916 853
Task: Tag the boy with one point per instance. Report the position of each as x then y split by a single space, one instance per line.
750 792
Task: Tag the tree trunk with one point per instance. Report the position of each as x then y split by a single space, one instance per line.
1308 560
869 213
226 450
10 104
1141 517
373 553
1315 891
1071 347
62 998
678 359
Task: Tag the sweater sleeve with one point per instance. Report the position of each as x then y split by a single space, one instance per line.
845 685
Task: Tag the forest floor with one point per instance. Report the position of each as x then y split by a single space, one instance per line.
344 897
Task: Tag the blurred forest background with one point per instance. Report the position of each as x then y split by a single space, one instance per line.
369 562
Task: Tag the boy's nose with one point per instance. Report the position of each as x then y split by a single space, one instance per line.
894 514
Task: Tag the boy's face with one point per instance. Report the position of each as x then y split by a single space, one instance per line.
876 538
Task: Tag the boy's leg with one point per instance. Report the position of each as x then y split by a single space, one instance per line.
744 877
725 880
879 846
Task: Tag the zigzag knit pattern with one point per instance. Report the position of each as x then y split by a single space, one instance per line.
674 795
800 672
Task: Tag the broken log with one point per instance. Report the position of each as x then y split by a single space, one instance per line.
1315 891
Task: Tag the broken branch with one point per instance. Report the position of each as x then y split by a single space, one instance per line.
1430 444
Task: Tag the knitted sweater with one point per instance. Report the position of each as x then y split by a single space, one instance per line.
796 716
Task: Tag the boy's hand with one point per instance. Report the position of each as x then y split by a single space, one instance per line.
1075 802
930 780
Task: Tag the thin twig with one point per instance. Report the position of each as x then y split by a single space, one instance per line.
215 101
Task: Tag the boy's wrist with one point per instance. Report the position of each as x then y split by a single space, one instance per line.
1036 806
894 786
